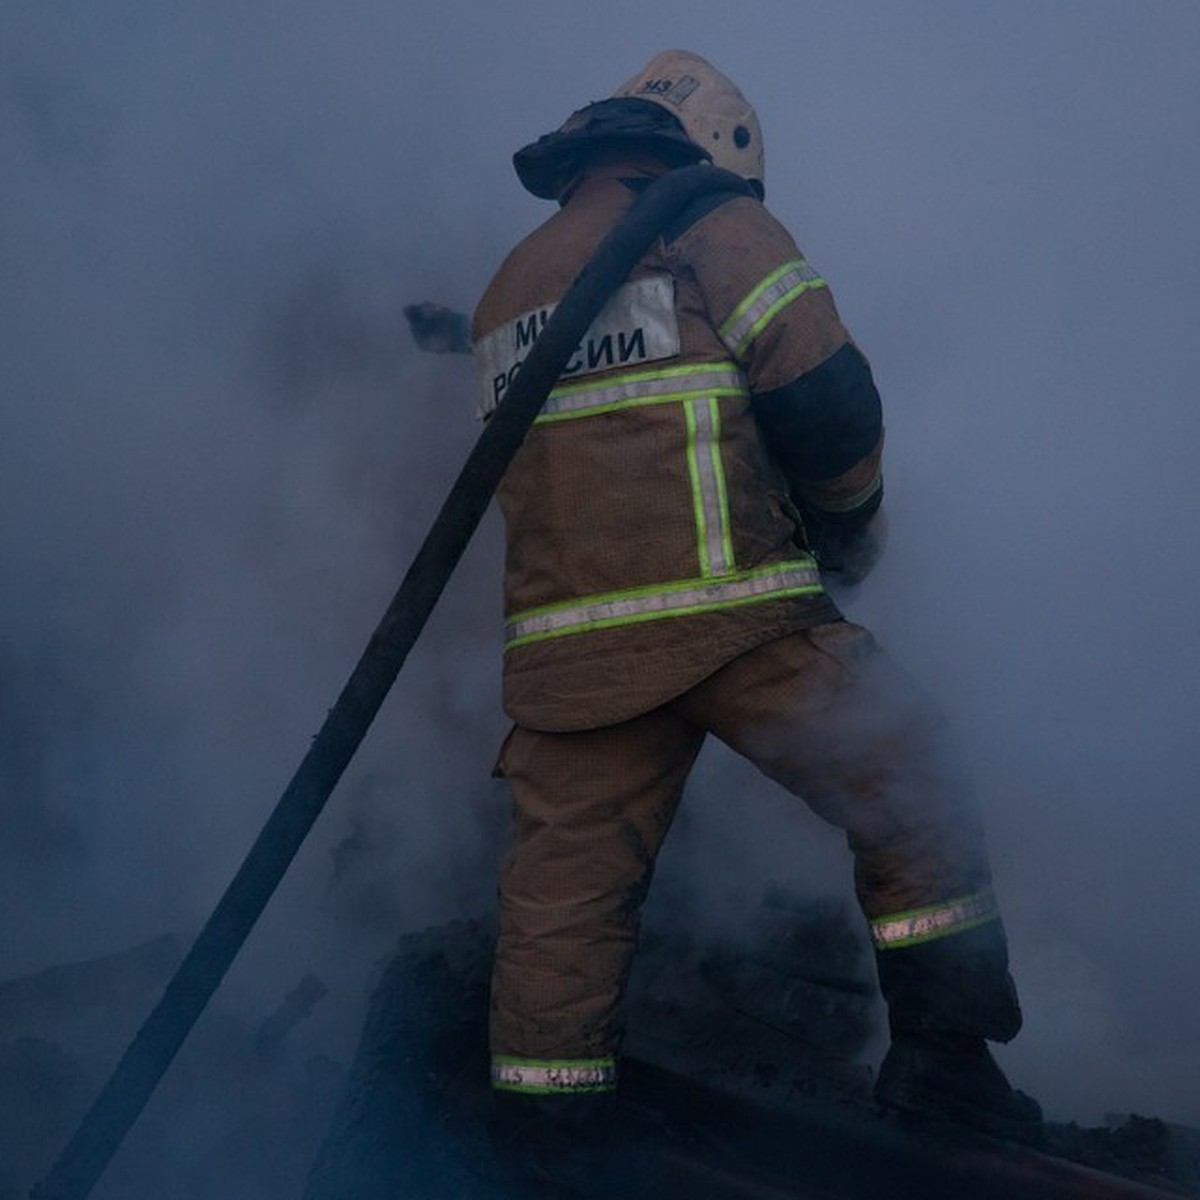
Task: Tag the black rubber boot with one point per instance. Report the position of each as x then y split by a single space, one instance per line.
953 1077
571 1146
954 984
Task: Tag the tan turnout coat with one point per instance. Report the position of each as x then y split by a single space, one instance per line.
651 537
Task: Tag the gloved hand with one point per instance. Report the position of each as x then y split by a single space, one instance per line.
850 552
439 329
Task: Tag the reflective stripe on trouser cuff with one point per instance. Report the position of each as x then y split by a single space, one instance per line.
936 921
553 1076
683 598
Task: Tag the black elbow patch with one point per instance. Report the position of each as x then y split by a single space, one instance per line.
820 425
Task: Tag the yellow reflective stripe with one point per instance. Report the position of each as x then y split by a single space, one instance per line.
935 921
722 492
709 499
642 387
766 299
557 1076
698 513
699 388
681 598
850 503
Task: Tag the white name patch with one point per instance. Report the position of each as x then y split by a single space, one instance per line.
638 324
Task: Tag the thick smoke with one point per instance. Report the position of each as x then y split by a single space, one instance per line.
219 451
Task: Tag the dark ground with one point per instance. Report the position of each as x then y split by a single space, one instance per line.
754 1049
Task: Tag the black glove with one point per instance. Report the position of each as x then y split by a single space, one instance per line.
439 329
848 551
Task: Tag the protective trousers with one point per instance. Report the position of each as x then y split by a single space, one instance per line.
827 715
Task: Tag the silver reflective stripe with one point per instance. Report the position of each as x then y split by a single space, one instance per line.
683 598
642 387
775 292
936 921
553 1076
709 498
699 390
850 503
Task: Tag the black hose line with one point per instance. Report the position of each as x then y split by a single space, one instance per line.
151 1052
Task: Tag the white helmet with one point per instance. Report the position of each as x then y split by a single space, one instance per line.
680 107
713 112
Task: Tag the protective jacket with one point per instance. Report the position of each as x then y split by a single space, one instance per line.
661 514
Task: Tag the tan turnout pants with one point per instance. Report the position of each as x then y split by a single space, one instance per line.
824 713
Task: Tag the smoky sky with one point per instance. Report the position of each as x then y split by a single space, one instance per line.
218 451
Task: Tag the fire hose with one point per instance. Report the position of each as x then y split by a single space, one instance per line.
152 1050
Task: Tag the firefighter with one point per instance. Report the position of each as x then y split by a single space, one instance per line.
710 452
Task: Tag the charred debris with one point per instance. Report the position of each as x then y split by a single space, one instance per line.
759 1042
761 1039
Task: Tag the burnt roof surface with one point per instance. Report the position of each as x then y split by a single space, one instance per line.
751 1050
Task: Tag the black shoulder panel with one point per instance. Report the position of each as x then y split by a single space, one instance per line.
820 425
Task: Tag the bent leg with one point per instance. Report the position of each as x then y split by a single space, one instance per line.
591 810
831 718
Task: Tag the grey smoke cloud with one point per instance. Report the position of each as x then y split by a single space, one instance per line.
218 451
